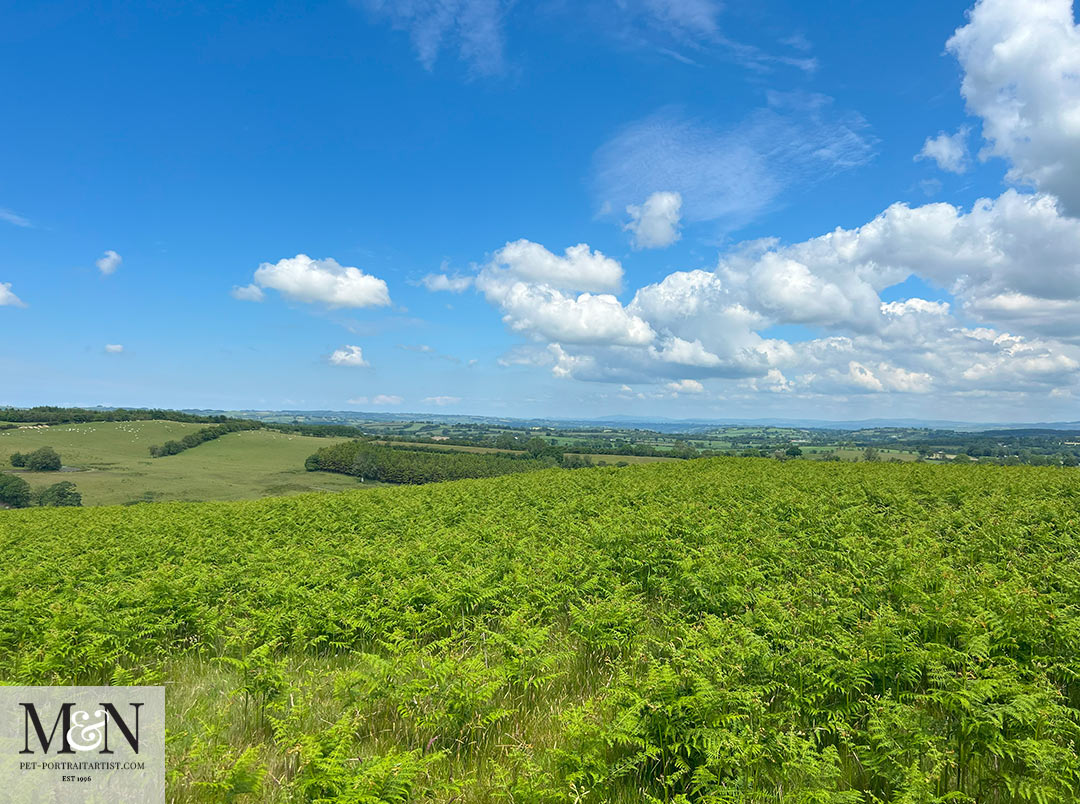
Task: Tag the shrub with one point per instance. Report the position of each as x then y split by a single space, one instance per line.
14 491
58 495
45 459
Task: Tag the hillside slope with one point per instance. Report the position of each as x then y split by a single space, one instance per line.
722 630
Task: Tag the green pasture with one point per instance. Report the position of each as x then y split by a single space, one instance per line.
115 466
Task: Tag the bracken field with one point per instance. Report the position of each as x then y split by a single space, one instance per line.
719 630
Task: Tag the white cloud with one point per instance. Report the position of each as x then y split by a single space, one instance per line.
1021 62
580 269
544 312
687 387
8 297
14 219
1009 261
450 284
442 401
349 356
108 262
252 293
655 224
730 174
473 27
303 279
114 348
386 399
358 400
948 150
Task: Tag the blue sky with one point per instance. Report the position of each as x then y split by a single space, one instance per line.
250 205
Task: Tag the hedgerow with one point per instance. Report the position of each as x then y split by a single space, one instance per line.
709 631
386 464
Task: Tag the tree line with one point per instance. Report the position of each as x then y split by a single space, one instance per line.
15 492
386 464
201 437
175 447
49 414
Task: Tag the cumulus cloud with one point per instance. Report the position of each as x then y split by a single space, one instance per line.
1021 63
544 312
655 224
108 262
730 174
114 348
349 356
948 150
252 293
450 284
442 401
8 297
303 279
580 268
1010 263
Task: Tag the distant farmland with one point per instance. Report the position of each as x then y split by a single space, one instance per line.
116 467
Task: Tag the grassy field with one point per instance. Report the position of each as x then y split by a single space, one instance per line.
116 466
692 632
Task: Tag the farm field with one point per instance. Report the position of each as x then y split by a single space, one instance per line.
117 467
718 630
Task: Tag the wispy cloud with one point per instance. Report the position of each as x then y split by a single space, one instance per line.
8 216
471 27
732 174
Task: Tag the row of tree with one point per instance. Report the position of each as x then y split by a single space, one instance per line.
50 414
15 493
370 461
45 459
201 437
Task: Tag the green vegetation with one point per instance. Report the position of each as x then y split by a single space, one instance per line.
59 495
370 461
201 437
114 466
706 631
43 459
14 491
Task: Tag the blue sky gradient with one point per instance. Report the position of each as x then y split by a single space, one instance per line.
200 141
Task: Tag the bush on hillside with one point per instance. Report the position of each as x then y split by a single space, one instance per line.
45 459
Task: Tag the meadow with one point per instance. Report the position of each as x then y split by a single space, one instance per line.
116 467
719 630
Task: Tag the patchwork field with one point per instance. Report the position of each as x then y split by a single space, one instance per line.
692 632
116 467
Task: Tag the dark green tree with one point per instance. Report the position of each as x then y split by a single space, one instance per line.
14 491
45 459
60 494
18 459
536 446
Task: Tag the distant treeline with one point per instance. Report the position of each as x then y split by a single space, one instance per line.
48 414
370 461
506 441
